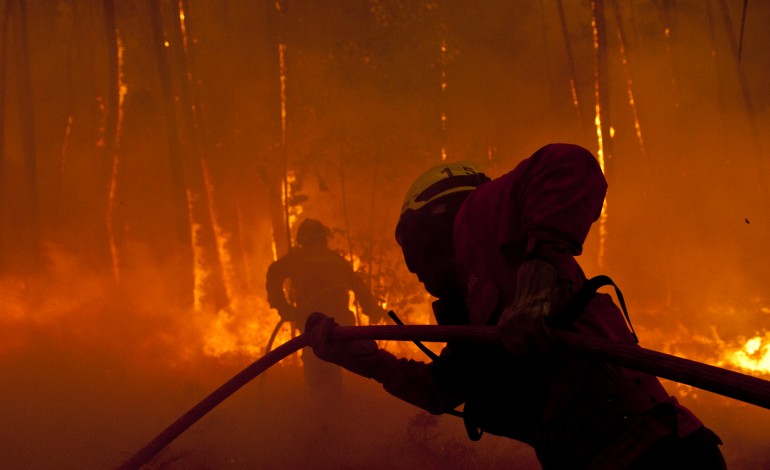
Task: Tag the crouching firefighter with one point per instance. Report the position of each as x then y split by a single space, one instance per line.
501 252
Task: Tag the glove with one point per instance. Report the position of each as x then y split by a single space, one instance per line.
358 356
522 323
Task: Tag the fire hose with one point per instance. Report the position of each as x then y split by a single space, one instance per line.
725 382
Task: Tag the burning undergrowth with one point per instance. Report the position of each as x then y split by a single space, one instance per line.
98 371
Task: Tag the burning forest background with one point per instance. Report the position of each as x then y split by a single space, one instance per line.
156 156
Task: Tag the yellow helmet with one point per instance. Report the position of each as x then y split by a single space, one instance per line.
440 181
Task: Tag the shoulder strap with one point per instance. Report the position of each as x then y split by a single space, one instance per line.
575 306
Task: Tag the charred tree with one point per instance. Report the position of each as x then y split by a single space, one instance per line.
748 103
623 49
236 118
574 91
111 157
27 231
183 226
3 79
602 86
276 170
201 206
602 117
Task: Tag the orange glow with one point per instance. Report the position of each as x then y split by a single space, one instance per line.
65 143
573 93
442 62
254 109
603 231
222 238
293 211
242 331
282 77
112 195
746 355
182 24
630 93
752 357
201 271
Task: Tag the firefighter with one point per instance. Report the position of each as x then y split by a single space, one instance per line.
319 279
501 252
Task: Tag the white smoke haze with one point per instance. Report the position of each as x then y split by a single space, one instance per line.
101 344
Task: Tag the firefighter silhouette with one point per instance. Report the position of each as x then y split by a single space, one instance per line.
312 277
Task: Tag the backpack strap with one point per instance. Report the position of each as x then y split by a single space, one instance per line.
575 306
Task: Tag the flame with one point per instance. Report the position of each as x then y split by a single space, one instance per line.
282 72
573 93
442 63
221 237
742 353
201 271
182 24
753 356
242 330
293 211
599 135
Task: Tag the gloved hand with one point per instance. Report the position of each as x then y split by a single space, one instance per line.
522 323
358 356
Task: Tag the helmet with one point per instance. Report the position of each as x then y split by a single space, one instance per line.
449 184
312 232
441 181
424 229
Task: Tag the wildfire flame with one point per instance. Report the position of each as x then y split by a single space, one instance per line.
600 156
752 357
741 353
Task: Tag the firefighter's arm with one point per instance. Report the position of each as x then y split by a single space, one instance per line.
411 381
561 196
276 298
522 323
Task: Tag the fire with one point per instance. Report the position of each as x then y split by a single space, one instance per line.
753 356
244 329
600 152
443 49
745 354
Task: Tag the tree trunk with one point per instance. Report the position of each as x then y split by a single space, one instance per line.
748 105
574 90
279 194
183 228
111 161
622 44
3 79
28 230
602 97
202 214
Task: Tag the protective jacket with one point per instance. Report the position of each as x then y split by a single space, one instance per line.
575 413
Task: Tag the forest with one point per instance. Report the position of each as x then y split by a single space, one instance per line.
156 156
